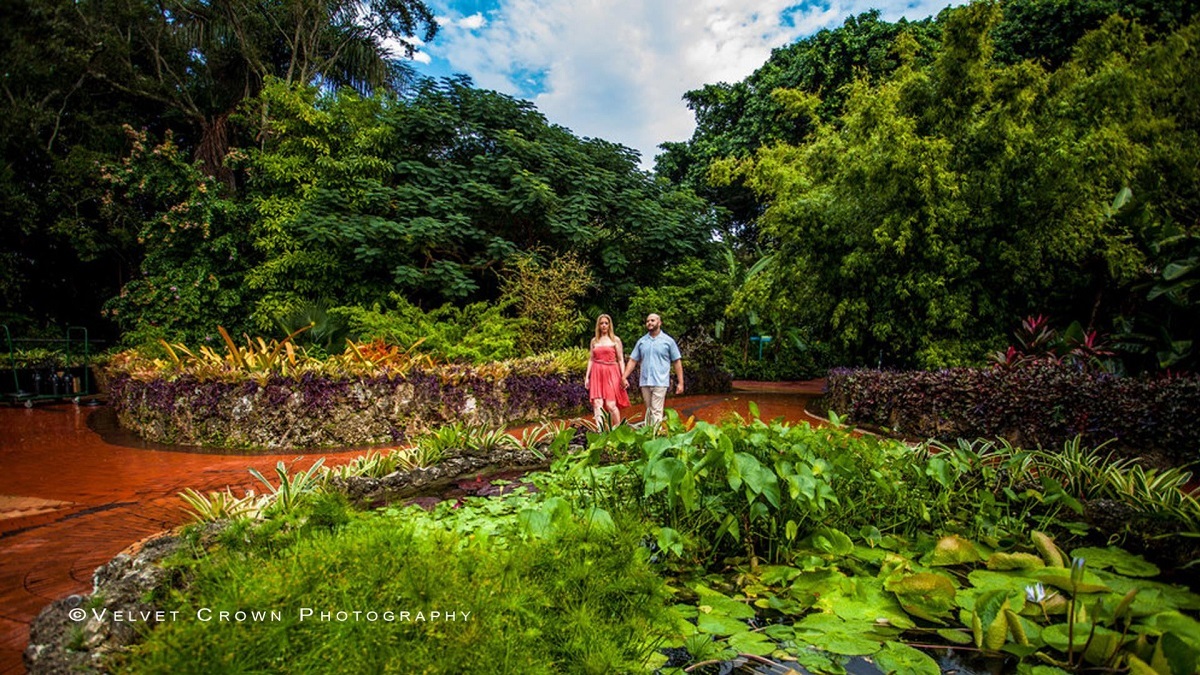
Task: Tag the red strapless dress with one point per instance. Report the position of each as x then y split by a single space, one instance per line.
606 377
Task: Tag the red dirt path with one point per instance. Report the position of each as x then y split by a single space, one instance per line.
70 500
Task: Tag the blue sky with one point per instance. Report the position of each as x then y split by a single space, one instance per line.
617 69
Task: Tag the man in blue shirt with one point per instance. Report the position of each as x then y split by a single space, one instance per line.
656 352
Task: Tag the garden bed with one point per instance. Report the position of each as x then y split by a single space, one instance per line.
1039 404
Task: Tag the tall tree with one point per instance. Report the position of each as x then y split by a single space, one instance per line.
202 58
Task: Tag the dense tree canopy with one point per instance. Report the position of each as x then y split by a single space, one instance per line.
952 198
351 199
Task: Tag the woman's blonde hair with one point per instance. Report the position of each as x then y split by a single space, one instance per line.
612 333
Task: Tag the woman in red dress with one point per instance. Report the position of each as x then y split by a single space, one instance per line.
606 387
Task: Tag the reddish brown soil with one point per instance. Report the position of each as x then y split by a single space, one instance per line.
71 499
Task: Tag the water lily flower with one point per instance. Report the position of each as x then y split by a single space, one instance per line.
1036 593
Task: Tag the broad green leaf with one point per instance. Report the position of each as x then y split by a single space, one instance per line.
1182 625
719 624
670 540
924 595
900 659
845 644
830 540
752 643
1014 561
600 519
729 607
1118 560
957 637
953 550
1061 579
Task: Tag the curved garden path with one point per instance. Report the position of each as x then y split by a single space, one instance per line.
71 499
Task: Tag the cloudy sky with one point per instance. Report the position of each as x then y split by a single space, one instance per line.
617 69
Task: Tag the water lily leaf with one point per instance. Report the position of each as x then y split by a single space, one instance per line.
1061 579
752 643
777 575
844 643
782 605
1045 670
1139 667
1118 560
719 624
730 608
1011 584
818 661
1014 561
897 657
958 637
874 556
1104 642
1050 552
924 595
1182 657
863 599
686 611
953 550
1153 596
811 585
780 632
821 622
1182 625
996 633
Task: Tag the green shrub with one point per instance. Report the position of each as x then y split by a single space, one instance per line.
1040 403
476 333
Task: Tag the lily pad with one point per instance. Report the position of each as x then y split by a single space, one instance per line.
1182 625
897 657
1153 596
924 595
1118 560
953 550
727 606
719 624
752 643
1101 642
1014 561
957 637
1061 579
844 643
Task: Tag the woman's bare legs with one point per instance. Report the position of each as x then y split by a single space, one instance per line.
614 413
598 411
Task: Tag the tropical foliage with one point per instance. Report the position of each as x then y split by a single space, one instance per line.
923 185
772 543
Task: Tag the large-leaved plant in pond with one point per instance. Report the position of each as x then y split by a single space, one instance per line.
759 489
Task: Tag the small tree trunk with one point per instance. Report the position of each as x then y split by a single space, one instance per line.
213 146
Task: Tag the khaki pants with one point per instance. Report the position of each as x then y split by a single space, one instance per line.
655 398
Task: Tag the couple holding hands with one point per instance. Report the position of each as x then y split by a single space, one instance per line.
608 370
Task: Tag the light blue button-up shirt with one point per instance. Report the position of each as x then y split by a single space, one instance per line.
655 355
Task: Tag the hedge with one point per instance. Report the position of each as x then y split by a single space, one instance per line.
1038 404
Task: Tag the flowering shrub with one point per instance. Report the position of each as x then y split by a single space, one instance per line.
335 406
1042 403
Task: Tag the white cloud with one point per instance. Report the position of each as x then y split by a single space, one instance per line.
617 69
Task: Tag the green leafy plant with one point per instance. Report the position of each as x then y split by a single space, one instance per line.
221 505
286 497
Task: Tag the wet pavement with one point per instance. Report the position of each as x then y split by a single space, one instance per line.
75 491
